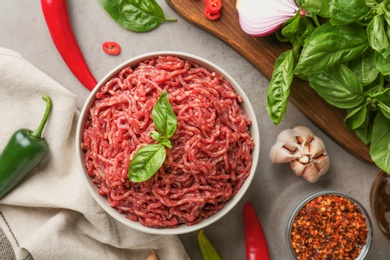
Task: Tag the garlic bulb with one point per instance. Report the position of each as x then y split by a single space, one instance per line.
304 151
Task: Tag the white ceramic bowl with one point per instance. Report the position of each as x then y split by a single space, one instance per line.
181 229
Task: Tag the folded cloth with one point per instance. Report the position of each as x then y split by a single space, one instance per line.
50 214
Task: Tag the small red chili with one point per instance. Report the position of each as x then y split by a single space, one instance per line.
111 48
212 9
255 240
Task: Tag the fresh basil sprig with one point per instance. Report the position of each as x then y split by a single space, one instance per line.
149 158
136 15
346 59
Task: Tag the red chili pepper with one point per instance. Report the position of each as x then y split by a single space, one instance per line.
256 243
57 20
111 48
212 9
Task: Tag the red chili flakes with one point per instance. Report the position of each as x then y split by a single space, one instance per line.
329 227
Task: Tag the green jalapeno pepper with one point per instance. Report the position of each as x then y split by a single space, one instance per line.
207 249
22 153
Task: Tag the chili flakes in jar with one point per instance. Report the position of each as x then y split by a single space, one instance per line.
329 226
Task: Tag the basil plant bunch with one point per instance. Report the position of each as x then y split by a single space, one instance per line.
342 48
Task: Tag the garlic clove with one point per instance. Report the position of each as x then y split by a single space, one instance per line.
316 147
303 134
322 163
311 173
278 154
297 167
289 140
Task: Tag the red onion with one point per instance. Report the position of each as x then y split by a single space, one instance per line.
263 17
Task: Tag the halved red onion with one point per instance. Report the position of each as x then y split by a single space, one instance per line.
263 17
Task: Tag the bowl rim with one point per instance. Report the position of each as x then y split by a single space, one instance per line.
182 228
308 197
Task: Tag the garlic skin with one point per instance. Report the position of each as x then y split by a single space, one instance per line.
305 152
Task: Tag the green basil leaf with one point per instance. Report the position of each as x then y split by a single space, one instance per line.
380 142
382 100
377 36
356 117
338 86
163 116
291 26
364 132
146 162
329 45
364 67
347 11
136 15
316 7
382 64
161 139
279 86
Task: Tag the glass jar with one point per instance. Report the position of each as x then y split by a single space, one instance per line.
380 202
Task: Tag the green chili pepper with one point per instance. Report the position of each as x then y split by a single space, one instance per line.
23 152
208 250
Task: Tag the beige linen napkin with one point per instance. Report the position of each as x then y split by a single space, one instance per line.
51 214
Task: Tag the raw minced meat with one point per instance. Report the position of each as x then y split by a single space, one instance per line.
211 154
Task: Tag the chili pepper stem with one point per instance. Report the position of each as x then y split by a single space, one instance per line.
38 132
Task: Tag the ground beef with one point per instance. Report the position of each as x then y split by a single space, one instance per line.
211 154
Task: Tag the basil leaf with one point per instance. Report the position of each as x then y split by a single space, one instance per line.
163 116
161 139
338 86
377 37
364 67
356 117
347 11
328 45
364 132
136 15
380 142
316 7
146 162
291 26
382 64
382 100
279 86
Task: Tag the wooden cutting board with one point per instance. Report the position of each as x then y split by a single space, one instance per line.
262 53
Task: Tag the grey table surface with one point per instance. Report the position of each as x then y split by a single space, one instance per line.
274 190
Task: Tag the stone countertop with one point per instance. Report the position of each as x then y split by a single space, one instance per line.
275 189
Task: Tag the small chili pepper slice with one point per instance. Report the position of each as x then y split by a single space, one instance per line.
212 9
23 152
206 247
213 6
256 244
111 48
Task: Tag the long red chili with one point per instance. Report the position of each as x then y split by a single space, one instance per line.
256 243
57 20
